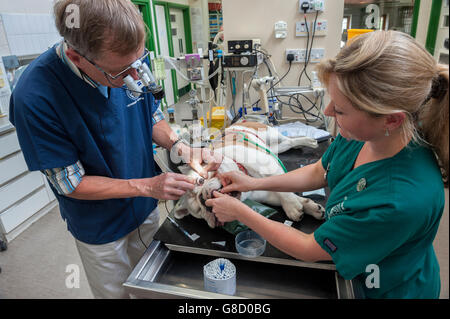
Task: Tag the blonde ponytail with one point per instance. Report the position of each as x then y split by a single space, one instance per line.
434 119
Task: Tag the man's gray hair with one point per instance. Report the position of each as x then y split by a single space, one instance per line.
95 26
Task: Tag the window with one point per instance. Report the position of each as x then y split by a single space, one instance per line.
381 14
346 23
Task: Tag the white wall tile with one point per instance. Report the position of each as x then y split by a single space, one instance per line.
29 34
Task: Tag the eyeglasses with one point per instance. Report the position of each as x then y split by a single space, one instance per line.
121 73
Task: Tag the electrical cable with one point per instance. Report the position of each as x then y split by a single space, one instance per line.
306 57
268 58
312 43
233 93
165 205
308 48
300 109
138 229
169 60
273 85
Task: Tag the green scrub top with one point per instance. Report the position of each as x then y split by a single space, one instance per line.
381 220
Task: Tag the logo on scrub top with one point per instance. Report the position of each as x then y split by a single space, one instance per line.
132 97
337 209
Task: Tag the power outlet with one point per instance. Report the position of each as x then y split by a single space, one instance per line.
312 5
316 55
299 55
320 30
300 29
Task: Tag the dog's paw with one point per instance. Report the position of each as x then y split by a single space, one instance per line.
293 208
312 208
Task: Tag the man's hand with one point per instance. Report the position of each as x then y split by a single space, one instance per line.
169 186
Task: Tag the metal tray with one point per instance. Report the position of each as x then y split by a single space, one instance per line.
164 273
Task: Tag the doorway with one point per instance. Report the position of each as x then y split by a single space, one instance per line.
179 44
174 39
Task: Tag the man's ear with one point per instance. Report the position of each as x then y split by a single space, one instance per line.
74 56
394 120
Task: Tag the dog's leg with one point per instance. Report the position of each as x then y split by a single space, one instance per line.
279 143
291 203
264 197
294 207
296 142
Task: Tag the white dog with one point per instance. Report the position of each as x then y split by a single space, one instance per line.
251 148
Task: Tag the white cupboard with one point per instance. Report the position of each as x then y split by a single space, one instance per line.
24 195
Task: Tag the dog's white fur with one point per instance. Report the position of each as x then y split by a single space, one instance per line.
258 163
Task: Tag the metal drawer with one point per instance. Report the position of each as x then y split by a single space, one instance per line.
163 273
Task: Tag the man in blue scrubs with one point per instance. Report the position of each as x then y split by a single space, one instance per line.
79 125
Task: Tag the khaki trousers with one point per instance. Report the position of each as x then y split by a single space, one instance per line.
108 266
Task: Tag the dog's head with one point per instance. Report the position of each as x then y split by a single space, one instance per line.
193 202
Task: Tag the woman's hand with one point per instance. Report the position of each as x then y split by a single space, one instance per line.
225 207
236 181
205 156
198 157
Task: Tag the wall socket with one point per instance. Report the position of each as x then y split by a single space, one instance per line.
300 55
317 55
321 28
313 5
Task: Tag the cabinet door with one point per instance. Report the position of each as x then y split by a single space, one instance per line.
20 212
19 188
12 167
8 144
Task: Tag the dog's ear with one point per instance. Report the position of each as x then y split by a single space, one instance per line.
181 213
180 209
185 169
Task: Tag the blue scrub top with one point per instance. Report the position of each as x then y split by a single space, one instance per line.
61 119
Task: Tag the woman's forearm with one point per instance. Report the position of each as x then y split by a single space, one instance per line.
287 239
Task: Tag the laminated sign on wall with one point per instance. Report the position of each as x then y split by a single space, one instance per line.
29 34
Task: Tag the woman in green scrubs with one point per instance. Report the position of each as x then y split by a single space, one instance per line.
385 170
